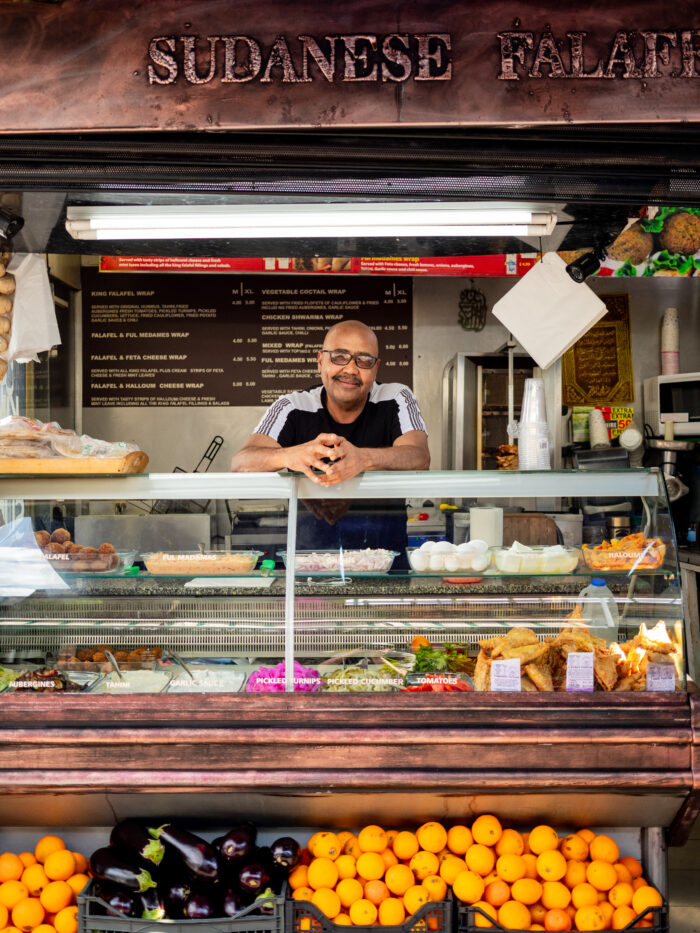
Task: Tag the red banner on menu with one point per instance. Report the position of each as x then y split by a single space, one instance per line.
512 264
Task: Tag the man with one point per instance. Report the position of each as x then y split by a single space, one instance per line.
347 425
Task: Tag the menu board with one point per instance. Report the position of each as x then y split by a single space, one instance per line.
179 340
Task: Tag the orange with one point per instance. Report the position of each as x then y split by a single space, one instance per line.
27 859
55 896
575 873
11 892
621 917
35 879
621 894
66 920
81 863
633 866
645 897
399 878
343 836
405 845
424 864
509 843
27 914
530 864
514 916
349 890
451 867
372 839
298 877
389 858
551 865
303 894
608 911
11 867
391 834
557 919
4 916
527 891
623 873
78 882
327 902
370 866
343 920
574 846
589 918
459 838
376 891
414 898
555 894
468 887
312 841
346 865
526 843
59 865
46 845
391 912
45 928
584 895
432 837
351 847
479 919
586 834
11 929
480 859
542 839
603 848
601 875
322 873
536 926
639 883
537 912
510 867
486 829
497 893
363 913
326 845
436 887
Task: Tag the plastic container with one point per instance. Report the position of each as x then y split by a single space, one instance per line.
102 564
92 919
616 559
555 560
73 658
466 920
599 609
453 561
304 917
323 563
201 563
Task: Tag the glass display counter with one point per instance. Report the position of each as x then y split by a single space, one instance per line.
267 583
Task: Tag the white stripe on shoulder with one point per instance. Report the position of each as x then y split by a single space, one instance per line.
410 418
276 415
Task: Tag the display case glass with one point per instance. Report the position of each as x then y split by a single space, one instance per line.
416 582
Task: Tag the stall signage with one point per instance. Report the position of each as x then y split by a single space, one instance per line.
166 340
212 65
579 671
505 676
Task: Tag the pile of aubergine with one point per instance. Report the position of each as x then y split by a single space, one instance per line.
159 872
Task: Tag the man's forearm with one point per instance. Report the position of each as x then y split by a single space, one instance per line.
258 460
403 457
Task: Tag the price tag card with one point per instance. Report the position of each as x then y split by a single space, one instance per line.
579 670
505 676
661 677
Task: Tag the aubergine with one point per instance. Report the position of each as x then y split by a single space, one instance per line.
197 855
253 877
152 906
121 902
266 902
233 902
131 834
174 896
239 842
200 906
286 852
121 867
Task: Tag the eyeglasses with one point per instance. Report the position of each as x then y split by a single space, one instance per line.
343 357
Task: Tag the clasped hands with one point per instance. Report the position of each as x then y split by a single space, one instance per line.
333 457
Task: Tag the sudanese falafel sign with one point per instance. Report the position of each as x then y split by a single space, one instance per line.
227 340
213 65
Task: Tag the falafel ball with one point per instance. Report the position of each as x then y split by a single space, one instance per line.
634 245
42 538
681 233
60 536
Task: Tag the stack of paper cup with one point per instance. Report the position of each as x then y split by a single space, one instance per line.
533 430
598 435
670 343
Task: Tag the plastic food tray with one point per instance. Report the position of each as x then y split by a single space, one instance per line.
101 564
304 917
182 682
367 561
68 653
125 691
201 563
93 918
613 560
85 680
462 570
466 920
535 561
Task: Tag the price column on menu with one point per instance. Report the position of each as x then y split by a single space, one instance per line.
245 346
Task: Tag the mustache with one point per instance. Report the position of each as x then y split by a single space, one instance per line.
347 377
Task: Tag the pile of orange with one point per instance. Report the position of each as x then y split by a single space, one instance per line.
524 881
39 889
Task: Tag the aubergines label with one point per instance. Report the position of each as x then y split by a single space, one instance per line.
399 57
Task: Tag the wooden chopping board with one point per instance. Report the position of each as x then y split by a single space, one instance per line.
529 528
135 462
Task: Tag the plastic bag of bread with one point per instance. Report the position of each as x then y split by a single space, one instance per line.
29 437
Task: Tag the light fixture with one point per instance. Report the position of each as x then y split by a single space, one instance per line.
10 224
275 221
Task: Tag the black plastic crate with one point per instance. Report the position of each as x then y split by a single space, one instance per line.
92 918
466 920
304 917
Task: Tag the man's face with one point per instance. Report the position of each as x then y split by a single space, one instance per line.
348 386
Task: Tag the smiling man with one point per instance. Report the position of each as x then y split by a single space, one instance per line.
349 424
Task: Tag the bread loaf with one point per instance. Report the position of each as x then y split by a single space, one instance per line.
7 284
5 324
5 304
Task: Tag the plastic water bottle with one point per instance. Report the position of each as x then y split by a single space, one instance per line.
600 610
